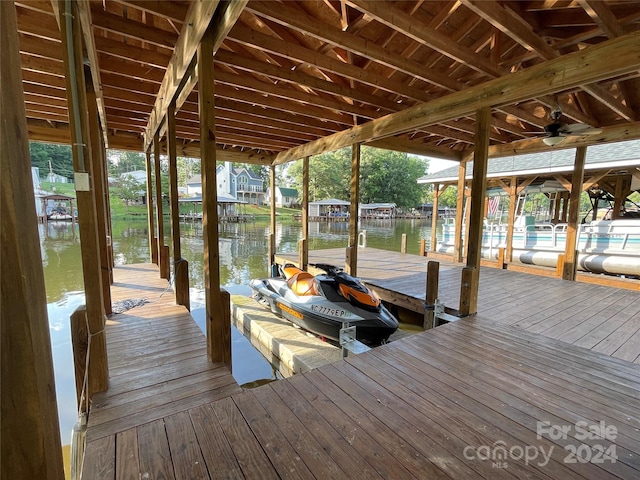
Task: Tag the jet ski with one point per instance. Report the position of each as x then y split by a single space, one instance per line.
321 304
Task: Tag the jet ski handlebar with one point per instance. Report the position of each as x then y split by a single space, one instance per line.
331 270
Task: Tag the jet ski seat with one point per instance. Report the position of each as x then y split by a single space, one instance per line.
302 284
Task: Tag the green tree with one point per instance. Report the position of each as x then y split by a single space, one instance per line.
187 168
391 177
129 190
329 175
448 197
58 156
120 162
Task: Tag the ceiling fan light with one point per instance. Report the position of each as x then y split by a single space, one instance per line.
553 141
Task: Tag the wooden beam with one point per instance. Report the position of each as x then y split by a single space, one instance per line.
84 9
457 246
593 179
153 251
599 62
434 218
351 266
98 158
513 198
296 19
199 16
563 181
416 148
522 32
272 217
395 18
162 261
218 331
570 254
305 213
81 149
180 265
30 431
478 192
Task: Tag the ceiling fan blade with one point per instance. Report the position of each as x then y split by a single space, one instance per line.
574 128
592 131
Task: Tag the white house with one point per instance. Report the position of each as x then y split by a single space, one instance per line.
285 197
139 176
238 183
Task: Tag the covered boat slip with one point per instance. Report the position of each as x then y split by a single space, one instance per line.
467 400
269 82
603 318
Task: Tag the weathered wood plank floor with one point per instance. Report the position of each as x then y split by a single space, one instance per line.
158 368
440 404
445 403
600 318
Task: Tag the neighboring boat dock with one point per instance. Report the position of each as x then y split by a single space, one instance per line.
426 406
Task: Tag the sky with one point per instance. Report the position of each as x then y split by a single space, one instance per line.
436 164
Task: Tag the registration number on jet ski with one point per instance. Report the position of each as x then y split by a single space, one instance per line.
333 312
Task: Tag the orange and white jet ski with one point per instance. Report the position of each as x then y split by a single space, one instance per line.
321 304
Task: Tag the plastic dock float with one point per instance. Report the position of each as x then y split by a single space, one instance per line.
288 348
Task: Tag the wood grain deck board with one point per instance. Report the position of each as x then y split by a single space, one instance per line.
406 410
587 314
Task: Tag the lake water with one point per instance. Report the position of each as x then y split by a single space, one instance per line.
243 256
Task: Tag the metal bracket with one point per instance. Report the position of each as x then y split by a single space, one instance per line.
348 341
439 314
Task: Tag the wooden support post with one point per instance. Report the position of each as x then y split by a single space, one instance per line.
30 432
556 208
501 254
218 325
107 206
351 265
302 250
570 254
619 199
560 265
433 277
163 263
565 207
513 198
457 246
153 247
469 282
97 160
304 258
423 247
434 217
78 124
403 243
180 265
80 344
467 221
478 190
272 237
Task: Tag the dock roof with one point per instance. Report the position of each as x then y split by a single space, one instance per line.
290 74
622 155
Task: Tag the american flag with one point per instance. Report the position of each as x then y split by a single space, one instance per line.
492 209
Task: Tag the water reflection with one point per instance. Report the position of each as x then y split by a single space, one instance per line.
243 256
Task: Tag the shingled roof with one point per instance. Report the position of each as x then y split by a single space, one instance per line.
623 154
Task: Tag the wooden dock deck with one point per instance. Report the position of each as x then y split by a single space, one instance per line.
600 318
441 404
472 399
158 369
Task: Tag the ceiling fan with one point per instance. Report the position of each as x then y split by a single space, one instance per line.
556 132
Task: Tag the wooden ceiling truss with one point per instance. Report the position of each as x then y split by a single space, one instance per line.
297 78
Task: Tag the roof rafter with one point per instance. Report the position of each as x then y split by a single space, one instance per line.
613 57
